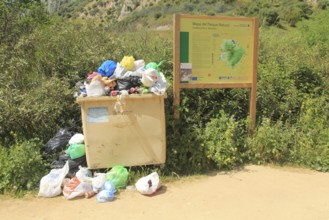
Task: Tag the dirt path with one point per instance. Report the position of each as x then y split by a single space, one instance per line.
255 192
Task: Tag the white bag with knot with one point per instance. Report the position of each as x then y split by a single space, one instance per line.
50 185
148 185
77 139
98 181
84 175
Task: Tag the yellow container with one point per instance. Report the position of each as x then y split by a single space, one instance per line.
131 135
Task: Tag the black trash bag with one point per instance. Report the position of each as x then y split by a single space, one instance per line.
128 83
59 141
73 164
60 162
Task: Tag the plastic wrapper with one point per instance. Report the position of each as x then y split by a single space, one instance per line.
59 141
76 150
98 181
77 139
150 77
128 62
75 188
118 175
50 185
148 185
107 68
96 87
154 65
139 64
160 86
105 196
127 83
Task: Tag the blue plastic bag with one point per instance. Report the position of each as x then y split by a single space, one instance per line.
105 196
107 68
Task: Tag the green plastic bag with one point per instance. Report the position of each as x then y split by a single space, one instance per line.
76 150
118 175
154 66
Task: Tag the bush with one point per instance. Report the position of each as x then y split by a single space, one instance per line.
272 142
157 15
313 136
306 80
224 141
188 7
322 4
269 17
22 167
292 12
39 112
186 151
304 142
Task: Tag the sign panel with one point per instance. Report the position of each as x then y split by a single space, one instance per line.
216 50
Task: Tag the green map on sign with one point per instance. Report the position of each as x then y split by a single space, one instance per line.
231 52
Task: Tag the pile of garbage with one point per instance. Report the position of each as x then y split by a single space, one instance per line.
70 176
72 148
102 185
130 76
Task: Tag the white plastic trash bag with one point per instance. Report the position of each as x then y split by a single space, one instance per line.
78 185
50 185
148 185
77 139
150 77
119 72
74 188
160 86
84 175
96 87
98 181
139 64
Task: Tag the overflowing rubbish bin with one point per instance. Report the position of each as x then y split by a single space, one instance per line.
122 110
123 123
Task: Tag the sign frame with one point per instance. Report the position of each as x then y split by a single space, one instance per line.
251 84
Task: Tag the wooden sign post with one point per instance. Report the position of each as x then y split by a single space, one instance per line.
215 52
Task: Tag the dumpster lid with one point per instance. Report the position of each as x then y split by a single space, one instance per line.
81 100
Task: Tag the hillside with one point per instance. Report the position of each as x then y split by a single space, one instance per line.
100 9
156 14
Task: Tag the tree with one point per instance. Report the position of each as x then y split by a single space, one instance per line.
18 18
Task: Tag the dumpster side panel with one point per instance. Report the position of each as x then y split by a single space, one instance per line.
135 137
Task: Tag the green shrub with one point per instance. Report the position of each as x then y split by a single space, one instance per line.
272 142
39 112
188 7
269 16
157 15
315 30
22 167
306 80
224 139
313 121
292 12
186 151
322 4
